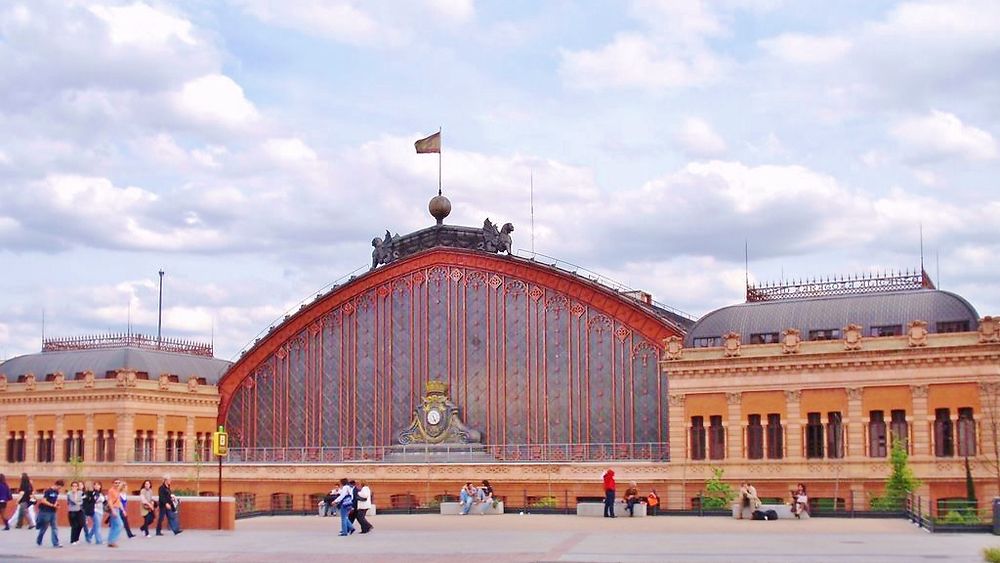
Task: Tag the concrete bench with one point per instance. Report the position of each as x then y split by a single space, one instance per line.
784 511
597 509
452 508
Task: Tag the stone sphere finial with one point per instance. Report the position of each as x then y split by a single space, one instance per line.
440 207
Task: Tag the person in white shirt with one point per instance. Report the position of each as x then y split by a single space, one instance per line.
344 503
364 503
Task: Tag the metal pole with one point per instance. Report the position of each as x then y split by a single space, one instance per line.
159 321
220 492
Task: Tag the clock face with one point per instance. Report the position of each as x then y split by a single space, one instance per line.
433 416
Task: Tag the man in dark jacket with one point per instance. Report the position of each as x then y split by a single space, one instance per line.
167 509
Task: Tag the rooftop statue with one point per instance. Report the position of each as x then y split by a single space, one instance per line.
497 240
384 251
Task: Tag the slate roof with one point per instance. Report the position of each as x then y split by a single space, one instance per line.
836 312
101 361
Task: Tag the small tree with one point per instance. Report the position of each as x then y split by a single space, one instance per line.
717 494
76 468
901 481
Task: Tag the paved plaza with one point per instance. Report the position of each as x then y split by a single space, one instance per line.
515 537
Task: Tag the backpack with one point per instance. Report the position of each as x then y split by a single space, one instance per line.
770 515
758 515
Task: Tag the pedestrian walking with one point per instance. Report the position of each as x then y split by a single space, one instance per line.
147 506
364 499
609 493
93 510
168 508
124 511
114 513
47 513
74 505
5 497
25 504
344 502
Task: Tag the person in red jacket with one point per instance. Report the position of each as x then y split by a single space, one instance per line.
609 493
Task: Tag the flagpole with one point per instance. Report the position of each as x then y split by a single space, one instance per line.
439 162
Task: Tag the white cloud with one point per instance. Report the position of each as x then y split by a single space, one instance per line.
941 135
341 21
806 49
634 60
215 98
289 150
139 25
454 10
697 138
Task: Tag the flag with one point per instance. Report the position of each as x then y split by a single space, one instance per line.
429 144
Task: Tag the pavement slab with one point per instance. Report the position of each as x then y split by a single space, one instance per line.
515 537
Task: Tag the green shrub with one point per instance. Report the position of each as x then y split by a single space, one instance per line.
545 502
960 517
717 493
991 554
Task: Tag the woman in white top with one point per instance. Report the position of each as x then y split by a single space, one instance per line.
364 503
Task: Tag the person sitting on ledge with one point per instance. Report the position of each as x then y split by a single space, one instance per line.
748 498
486 496
467 496
631 498
800 501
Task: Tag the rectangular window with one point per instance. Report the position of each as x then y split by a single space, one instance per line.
15 447
105 446
825 334
697 437
898 427
775 437
834 435
944 436
814 436
755 437
716 438
966 433
145 446
877 445
45 445
170 446
953 326
203 448
764 338
707 342
73 446
887 330
179 446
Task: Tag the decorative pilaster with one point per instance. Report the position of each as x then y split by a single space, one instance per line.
125 438
921 421
793 434
59 438
734 439
160 453
855 423
189 442
3 429
989 401
30 441
89 452
678 430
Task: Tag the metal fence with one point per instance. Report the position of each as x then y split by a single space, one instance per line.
427 497
491 453
949 515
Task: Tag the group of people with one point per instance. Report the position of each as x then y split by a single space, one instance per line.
90 506
748 499
480 496
351 501
631 497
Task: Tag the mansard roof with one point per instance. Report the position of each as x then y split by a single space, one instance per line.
104 360
896 308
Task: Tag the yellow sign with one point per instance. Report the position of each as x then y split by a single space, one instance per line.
220 443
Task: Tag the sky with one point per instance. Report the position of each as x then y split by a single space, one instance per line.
253 148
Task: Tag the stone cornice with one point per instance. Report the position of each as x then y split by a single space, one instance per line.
841 360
